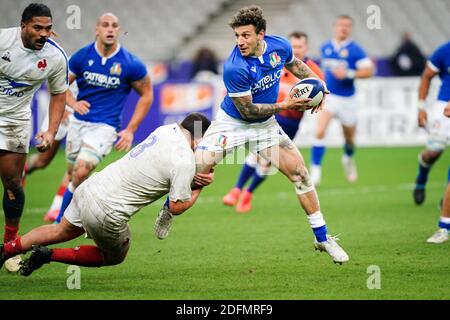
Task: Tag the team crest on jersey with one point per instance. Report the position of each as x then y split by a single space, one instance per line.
275 59
116 69
222 140
42 64
343 53
7 56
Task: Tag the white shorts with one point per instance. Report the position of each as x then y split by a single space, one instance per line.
343 108
15 137
89 141
62 130
227 133
438 127
112 237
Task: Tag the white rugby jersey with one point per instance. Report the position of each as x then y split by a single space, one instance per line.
22 71
164 163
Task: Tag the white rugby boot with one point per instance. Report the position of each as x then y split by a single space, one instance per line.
163 223
439 236
332 248
13 264
349 165
315 173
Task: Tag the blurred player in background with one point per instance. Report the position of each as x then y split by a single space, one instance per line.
105 73
433 119
164 163
441 235
343 61
257 168
28 57
252 75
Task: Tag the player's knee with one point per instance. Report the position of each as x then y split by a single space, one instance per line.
81 172
12 182
302 181
429 157
13 202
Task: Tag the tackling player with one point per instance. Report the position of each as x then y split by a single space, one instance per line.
433 119
105 73
252 75
28 57
162 164
289 120
343 61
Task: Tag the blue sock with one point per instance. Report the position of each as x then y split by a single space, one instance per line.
320 233
443 225
65 203
422 176
246 173
448 176
257 180
349 149
317 153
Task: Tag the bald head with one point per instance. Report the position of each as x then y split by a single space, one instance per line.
107 16
107 29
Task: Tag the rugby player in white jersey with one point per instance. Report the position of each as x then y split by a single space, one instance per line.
28 57
102 205
252 75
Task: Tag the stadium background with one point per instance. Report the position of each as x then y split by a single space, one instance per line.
166 34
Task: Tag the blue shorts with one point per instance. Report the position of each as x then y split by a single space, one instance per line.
289 126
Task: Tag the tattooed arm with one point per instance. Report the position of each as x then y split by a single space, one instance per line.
301 70
254 111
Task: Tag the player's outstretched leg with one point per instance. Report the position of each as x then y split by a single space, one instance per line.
290 162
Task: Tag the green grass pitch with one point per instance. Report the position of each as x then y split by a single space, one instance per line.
215 253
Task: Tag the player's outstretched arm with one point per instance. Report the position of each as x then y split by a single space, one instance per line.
252 111
144 88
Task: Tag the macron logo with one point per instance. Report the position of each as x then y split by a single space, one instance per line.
253 69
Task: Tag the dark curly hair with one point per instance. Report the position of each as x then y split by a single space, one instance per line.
249 15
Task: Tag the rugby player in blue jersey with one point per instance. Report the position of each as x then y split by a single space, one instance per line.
343 61
252 76
433 118
105 73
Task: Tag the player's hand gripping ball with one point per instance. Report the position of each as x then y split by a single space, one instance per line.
309 88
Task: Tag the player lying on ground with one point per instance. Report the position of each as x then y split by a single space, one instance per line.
102 205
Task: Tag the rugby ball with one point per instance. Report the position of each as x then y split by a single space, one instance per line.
309 88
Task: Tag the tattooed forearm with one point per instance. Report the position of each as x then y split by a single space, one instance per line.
300 69
251 111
